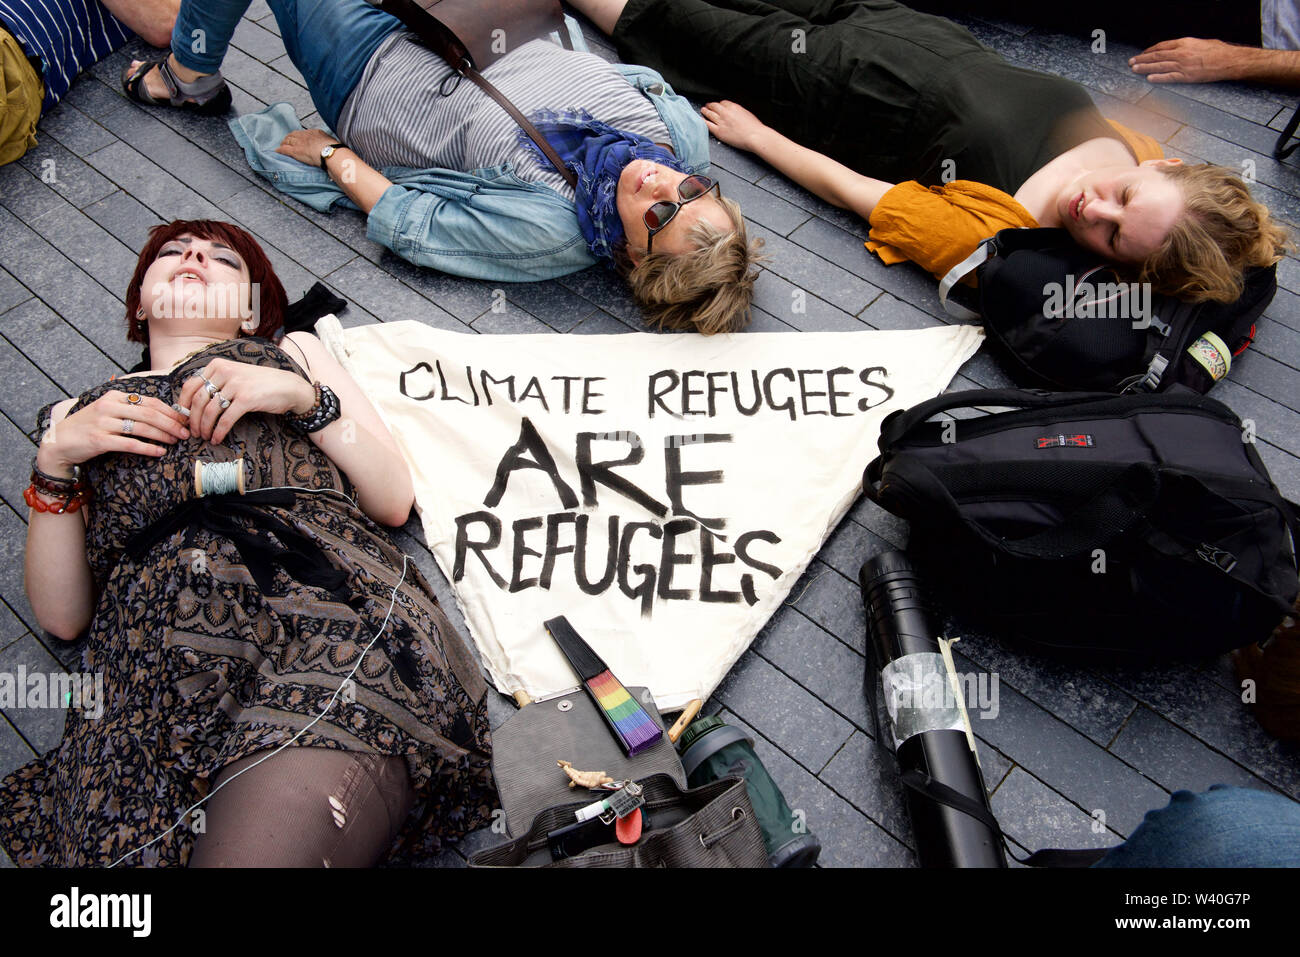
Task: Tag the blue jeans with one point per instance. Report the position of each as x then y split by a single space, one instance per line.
329 41
1224 827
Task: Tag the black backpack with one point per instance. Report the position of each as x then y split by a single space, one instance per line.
1060 318
1124 527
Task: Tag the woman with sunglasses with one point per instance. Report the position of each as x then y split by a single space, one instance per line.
279 685
907 120
451 182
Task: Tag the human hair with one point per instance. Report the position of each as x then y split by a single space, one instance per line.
271 302
1222 232
707 290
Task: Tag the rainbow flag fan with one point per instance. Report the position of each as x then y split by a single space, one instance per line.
631 723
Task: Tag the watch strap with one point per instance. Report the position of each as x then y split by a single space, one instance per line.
323 156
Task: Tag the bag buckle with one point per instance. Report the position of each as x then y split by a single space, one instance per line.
1155 372
1220 559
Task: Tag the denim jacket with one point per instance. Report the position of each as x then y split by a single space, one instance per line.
485 224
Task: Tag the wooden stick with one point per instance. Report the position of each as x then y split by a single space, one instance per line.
688 715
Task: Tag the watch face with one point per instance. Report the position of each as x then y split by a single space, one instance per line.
327 152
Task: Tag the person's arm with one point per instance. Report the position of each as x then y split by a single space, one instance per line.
819 174
357 442
363 183
57 575
1191 60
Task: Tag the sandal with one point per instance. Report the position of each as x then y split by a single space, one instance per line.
208 95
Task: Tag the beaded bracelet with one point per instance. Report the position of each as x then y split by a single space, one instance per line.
74 501
325 411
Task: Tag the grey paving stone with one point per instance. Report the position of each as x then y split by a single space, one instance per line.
1288 275
13 538
1274 423
1081 699
602 287
834 602
283 64
98 314
94 98
74 129
887 526
796 721
738 162
258 42
309 245
1174 759
1267 376
28 388
4 861
1063 758
65 174
1036 817
1285 308
16 451
385 297
12 291
559 308
261 81
762 321
1283 468
1276 340
511 321
147 182
96 251
816 660
809 262
848 837
171 151
867 777
800 308
11 628
601 323
466 299
1216 716
793 193
1155 125
346 225
14 751
124 217
760 206
25 195
890 312
41 726
850 545
1209 119
1244 161
56 348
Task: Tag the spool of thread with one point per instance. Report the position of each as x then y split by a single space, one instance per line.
219 478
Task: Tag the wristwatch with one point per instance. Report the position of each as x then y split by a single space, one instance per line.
327 152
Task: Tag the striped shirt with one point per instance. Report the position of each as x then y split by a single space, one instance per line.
397 117
67 36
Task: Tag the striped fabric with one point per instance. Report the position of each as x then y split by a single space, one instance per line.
396 116
67 36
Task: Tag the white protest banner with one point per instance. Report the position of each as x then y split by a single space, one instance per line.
663 492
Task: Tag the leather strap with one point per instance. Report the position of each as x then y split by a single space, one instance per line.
533 132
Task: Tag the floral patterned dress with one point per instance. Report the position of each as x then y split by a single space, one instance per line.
225 626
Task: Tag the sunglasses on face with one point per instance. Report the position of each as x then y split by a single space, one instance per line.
661 213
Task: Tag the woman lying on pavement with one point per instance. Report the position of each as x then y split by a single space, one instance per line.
453 183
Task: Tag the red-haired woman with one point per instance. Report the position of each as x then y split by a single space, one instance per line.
279 685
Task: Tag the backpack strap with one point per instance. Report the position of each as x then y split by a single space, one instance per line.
959 272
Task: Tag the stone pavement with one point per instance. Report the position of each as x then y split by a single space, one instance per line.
1066 743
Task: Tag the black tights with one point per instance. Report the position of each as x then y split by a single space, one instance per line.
305 807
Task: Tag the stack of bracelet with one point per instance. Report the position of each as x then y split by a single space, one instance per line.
74 491
325 411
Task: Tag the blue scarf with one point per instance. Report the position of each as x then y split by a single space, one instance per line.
597 153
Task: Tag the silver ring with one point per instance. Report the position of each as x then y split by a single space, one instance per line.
225 403
212 389
128 426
